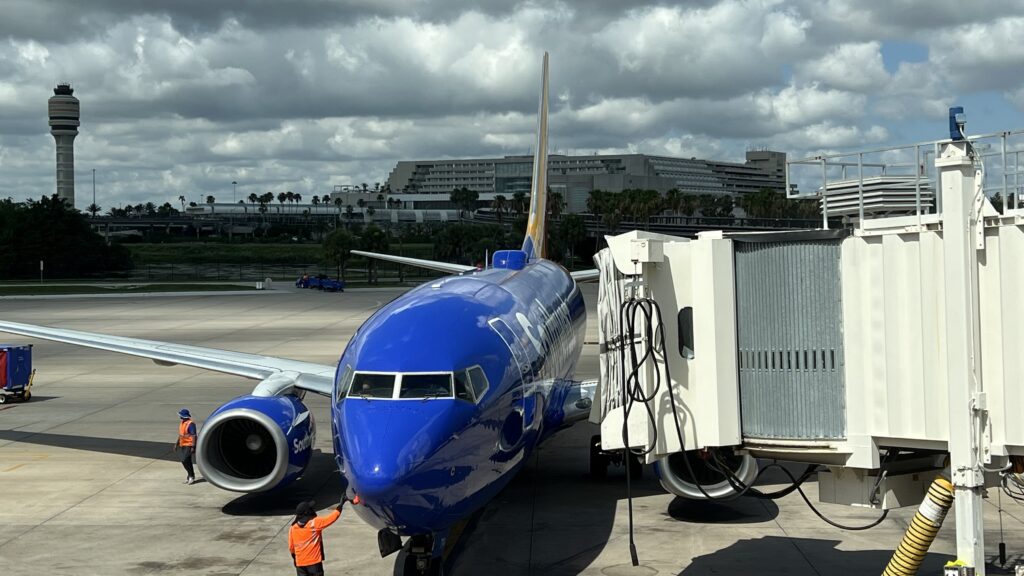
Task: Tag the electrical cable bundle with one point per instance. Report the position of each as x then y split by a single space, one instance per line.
652 345
1012 484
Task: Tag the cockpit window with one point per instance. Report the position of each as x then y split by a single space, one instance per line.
344 382
373 385
480 383
426 386
463 386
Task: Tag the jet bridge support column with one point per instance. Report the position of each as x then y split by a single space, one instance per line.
963 353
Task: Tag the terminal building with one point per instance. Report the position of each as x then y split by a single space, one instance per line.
428 183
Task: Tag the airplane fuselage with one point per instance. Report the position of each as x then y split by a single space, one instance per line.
420 456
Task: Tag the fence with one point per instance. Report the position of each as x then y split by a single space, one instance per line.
357 272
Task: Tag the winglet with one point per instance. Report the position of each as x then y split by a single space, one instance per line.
536 228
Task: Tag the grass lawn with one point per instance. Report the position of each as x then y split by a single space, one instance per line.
220 253
49 289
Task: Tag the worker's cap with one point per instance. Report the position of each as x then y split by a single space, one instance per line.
184 413
307 508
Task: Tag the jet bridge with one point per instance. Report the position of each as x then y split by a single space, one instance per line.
887 350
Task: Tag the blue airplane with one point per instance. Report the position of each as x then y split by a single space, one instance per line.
438 400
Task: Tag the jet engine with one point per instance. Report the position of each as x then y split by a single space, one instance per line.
686 474
256 443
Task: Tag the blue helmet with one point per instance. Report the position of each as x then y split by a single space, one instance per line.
184 413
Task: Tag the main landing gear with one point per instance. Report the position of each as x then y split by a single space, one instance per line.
600 460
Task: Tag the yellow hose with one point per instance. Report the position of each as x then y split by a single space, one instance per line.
906 560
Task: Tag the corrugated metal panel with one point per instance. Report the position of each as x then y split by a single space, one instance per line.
789 328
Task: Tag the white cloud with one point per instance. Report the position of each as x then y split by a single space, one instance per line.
856 66
706 50
286 96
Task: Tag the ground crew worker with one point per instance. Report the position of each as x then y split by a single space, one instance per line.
187 443
305 541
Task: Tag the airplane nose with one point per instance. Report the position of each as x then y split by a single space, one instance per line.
395 458
387 443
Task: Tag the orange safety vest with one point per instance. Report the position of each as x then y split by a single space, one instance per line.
184 438
305 541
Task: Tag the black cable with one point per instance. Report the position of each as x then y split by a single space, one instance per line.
885 513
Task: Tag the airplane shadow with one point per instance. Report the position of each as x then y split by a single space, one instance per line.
552 518
119 446
320 483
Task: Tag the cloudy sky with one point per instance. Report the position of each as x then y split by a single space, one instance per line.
182 97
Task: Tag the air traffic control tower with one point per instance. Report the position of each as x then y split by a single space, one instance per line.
63 107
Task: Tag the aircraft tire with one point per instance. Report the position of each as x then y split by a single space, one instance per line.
3 398
435 569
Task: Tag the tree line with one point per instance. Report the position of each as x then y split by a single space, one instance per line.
49 230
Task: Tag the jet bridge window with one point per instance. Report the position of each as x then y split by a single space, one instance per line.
686 333
426 386
373 385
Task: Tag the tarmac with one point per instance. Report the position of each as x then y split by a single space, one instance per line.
90 484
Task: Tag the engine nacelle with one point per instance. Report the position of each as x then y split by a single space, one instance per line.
676 477
256 443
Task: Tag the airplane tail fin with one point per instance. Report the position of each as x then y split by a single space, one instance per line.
536 225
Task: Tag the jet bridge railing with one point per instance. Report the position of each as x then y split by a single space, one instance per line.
901 180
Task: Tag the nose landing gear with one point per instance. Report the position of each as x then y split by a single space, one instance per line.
419 558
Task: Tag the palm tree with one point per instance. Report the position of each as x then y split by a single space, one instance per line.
556 203
337 247
93 209
518 200
500 205
290 196
298 198
361 203
315 200
182 200
281 197
373 240
574 231
253 198
210 199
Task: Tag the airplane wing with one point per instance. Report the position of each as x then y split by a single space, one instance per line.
430 264
317 378
579 275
